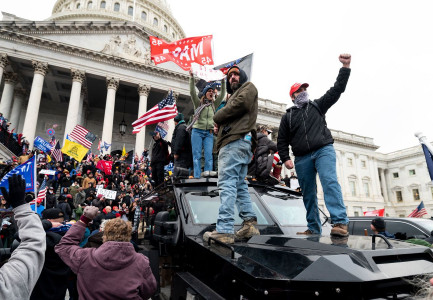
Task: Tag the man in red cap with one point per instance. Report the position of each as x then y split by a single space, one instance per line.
304 128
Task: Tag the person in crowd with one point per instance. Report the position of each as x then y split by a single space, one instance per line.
181 147
304 128
202 124
65 208
159 159
261 165
53 281
74 189
80 197
19 275
100 202
286 180
3 203
89 180
237 139
96 274
378 226
51 198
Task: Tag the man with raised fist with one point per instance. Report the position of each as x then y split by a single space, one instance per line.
304 128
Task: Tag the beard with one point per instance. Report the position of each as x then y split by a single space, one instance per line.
235 85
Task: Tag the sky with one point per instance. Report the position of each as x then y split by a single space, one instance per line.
389 95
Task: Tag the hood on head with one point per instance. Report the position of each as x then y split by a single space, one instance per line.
123 252
242 79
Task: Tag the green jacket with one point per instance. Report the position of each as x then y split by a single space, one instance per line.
240 115
205 121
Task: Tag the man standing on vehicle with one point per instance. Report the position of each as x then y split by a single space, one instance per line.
237 137
304 128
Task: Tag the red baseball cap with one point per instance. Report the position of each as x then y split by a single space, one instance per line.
297 86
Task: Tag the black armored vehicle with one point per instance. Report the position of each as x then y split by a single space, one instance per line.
278 264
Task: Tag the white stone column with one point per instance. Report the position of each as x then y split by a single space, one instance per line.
140 139
3 63
384 186
81 106
107 130
32 113
8 94
16 108
78 77
170 122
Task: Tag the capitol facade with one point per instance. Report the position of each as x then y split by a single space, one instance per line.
89 64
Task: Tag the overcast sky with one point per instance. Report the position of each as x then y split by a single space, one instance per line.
390 92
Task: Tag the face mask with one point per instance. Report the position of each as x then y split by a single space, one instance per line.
301 99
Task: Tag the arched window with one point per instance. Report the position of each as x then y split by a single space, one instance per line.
89 5
130 10
78 5
155 22
143 16
116 6
103 3
165 28
174 35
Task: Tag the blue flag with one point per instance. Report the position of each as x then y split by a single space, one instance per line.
429 160
27 171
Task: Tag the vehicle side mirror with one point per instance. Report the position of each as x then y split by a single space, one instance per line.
166 231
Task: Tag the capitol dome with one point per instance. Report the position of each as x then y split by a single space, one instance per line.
154 15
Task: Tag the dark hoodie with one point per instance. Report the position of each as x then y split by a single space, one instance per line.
238 117
97 269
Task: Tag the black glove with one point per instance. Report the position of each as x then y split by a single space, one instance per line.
17 191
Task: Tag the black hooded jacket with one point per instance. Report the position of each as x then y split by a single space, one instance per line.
305 128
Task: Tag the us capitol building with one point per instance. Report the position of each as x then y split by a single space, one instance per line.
89 64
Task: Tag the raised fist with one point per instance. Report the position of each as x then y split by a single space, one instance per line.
345 59
90 212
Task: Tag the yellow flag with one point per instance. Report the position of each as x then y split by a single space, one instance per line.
48 158
74 150
123 150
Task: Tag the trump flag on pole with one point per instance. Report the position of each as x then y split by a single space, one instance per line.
27 171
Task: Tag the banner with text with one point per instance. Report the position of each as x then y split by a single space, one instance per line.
182 52
108 194
42 144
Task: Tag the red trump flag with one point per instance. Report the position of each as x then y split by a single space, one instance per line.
182 52
377 212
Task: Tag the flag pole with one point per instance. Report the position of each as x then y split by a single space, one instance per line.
34 182
423 140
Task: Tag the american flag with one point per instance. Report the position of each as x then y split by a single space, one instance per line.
164 110
83 136
89 157
42 192
57 153
419 211
53 142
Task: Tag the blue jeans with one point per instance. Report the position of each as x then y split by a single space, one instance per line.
201 139
322 161
233 163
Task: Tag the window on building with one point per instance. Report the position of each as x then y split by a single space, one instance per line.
78 5
89 5
412 172
395 175
352 185
165 28
130 10
103 3
350 162
357 211
366 189
399 196
143 16
174 35
116 6
363 164
155 22
415 193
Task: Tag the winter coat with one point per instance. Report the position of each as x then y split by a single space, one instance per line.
205 121
305 129
66 209
261 166
98 269
51 200
160 152
181 145
79 199
19 275
238 117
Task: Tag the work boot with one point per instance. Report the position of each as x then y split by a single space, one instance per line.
248 229
339 230
306 232
226 238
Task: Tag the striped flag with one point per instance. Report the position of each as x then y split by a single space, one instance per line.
83 136
164 110
276 160
53 141
56 152
89 157
419 211
42 192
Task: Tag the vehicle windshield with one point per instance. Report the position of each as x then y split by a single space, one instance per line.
425 223
205 206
